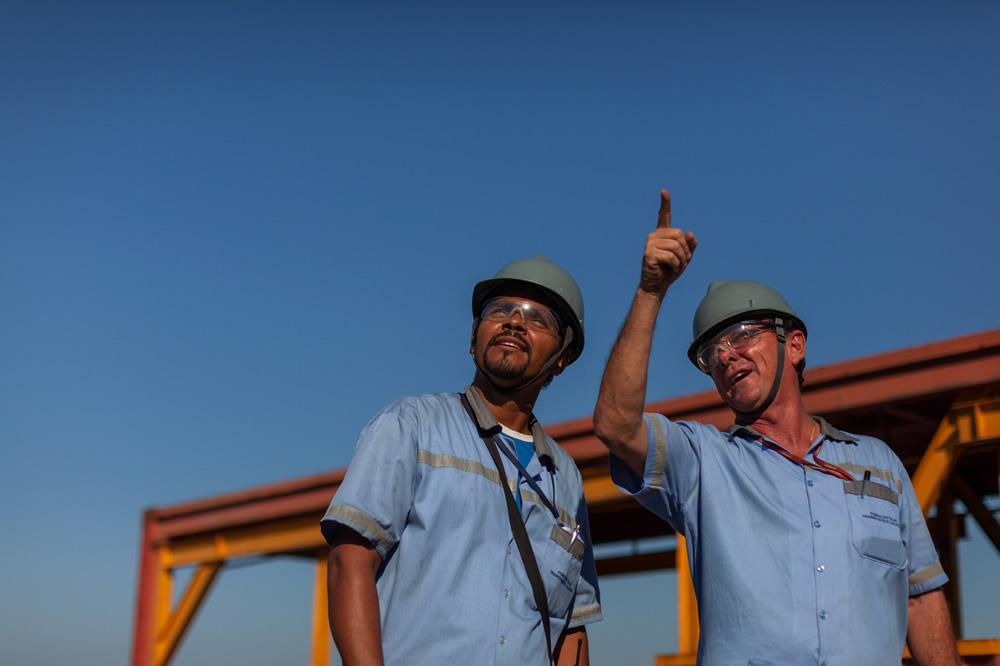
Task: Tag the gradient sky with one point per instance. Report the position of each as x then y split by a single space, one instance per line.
231 232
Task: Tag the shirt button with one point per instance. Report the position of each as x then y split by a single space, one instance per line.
809 483
820 568
816 523
502 640
506 593
508 550
822 615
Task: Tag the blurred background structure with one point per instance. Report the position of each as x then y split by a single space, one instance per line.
938 404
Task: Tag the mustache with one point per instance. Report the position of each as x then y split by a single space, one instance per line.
510 334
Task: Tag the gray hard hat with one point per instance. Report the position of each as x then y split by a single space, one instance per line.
730 301
539 274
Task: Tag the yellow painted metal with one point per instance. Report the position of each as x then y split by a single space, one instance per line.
600 490
320 628
287 536
972 648
983 647
169 634
972 418
687 605
936 464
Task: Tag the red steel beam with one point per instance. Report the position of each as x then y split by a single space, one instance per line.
934 368
873 380
251 507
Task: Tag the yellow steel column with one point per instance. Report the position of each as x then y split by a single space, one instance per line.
937 463
973 417
687 605
321 627
177 622
164 593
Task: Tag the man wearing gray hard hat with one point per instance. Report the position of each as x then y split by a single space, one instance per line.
807 544
460 534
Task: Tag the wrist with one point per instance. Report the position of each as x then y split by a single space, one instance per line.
649 298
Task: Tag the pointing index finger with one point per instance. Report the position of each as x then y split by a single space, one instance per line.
663 222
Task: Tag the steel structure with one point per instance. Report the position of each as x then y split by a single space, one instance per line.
937 405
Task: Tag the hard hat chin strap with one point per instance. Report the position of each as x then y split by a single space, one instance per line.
779 331
507 390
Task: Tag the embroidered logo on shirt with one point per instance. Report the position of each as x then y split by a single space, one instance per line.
562 579
889 520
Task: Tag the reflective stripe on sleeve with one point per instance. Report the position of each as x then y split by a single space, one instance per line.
346 515
659 453
585 613
925 574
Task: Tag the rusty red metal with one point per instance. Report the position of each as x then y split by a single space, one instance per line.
938 368
145 605
900 396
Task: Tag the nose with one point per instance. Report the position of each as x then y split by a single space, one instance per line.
515 319
726 355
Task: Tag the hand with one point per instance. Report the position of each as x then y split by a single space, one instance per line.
668 251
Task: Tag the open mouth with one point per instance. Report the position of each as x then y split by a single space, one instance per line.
509 342
738 377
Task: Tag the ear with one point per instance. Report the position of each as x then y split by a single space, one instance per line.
472 341
795 347
561 363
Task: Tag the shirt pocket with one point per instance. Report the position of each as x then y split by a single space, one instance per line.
875 527
560 562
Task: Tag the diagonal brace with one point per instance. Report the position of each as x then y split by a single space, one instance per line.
176 623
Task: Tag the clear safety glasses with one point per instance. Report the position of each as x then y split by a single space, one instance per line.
534 316
735 338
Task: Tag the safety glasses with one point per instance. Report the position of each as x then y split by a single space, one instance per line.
534 316
738 337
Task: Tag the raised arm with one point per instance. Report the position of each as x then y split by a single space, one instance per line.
618 415
353 599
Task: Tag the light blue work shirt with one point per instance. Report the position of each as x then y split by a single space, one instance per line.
452 587
790 565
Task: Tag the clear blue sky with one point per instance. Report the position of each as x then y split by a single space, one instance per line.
231 232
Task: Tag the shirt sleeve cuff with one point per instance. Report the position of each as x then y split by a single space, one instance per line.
358 521
927 579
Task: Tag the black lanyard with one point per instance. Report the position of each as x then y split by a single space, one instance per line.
518 529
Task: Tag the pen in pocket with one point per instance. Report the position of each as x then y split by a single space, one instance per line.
864 482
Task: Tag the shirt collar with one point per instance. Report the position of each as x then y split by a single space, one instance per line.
489 425
825 429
